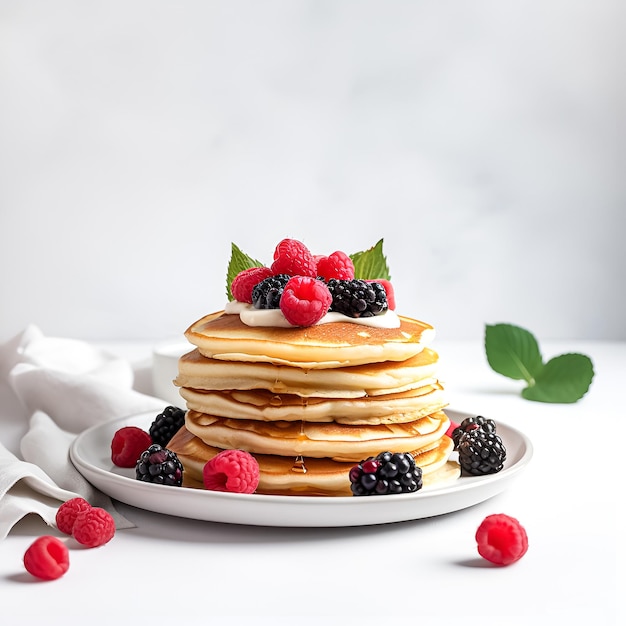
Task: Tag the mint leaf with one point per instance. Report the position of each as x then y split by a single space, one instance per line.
371 264
513 352
239 261
564 379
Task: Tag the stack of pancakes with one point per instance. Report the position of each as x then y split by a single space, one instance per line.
310 403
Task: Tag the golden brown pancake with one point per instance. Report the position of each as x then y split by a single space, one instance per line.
225 337
332 440
265 406
323 477
196 371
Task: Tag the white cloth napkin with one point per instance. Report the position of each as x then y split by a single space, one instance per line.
51 390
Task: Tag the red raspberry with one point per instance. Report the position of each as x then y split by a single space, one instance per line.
501 539
305 300
67 513
231 470
47 558
391 298
94 527
127 445
337 265
294 258
244 282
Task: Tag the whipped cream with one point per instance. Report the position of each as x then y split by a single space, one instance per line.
274 317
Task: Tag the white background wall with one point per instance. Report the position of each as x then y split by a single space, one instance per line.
483 140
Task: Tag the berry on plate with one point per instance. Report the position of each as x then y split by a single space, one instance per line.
385 474
160 466
47 558
231 470
127 444
305 301
501 539
165 426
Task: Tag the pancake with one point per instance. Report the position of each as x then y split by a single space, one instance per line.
323 477
225 337
332 440
265 406
196 371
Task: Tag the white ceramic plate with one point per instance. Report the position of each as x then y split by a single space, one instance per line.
91 450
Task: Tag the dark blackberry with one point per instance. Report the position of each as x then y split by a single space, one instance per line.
469 423
385 474
266 295
166 425
357 298
481 452
160 466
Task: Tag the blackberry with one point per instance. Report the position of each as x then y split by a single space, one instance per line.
166 425
470 423
385 474
481 452
160 466
357 298
266 294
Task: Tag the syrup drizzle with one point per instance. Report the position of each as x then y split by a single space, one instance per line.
298 464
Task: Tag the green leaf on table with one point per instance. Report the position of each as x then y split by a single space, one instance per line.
371 264
564 379
239 261
514 352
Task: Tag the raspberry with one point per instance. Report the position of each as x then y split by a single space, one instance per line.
127 444
336 265
388 287
244 282
93 527
67 513
47 558
294 258
231 470
501 539
305 301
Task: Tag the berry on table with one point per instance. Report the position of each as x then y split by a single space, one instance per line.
501 539
387 473
267 293
160 466
336 265
245 281
67 513
357 298
294 258
231 470
481 452
165 426
93 527
47 558
305 301
127 444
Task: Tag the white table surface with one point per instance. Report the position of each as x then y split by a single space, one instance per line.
188 570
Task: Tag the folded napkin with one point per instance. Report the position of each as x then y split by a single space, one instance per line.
51 389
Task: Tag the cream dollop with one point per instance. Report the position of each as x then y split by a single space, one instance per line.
274 317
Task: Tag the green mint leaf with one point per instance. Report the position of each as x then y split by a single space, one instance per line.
564 379
239 261
371 264
513 352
